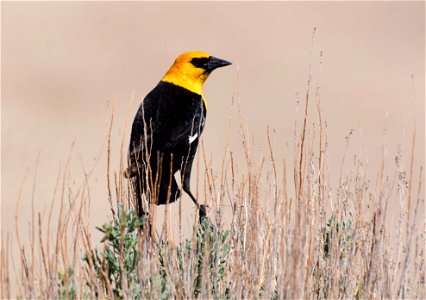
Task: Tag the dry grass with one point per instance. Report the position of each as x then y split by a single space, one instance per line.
289 234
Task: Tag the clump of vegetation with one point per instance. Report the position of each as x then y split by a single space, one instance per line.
116 264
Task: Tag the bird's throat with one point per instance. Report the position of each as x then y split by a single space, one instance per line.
190 83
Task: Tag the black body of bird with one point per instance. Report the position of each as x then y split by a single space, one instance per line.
166 130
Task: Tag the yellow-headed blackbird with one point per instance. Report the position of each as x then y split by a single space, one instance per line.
166 130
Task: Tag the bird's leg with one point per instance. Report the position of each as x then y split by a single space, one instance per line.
138 191
138 187
201 207
186 181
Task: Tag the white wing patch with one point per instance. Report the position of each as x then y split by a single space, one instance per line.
192 138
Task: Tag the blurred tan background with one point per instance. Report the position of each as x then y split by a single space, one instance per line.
63 64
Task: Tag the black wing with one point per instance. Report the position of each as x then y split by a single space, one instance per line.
177 115
169 120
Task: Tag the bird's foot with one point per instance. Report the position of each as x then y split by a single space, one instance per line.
202 213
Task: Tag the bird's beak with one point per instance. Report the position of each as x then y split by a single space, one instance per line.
215 63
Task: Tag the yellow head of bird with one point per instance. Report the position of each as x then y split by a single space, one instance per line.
191 69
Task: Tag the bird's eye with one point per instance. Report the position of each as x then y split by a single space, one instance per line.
200 62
